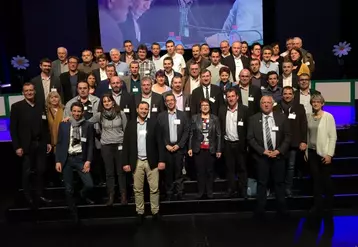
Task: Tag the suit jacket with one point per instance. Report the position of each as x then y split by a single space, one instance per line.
123 56
127 82
40 95
127 103
255 92
56 68
298 125
157 101
297 95
103 87
198 95
97 75
66 84
196 134
294 81
128 29
186 102
242 116
20 119
255 134
230 62
166 82
182 129
63 143
154 144
186 87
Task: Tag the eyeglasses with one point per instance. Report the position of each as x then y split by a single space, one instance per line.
304 79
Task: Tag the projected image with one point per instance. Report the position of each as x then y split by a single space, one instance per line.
186 22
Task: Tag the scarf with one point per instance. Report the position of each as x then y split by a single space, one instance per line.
286 106
76 134
109 114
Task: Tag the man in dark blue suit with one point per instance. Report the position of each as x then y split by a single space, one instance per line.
74 151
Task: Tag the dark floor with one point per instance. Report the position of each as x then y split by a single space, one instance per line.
214 230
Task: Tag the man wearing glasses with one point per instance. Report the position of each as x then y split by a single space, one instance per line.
303 95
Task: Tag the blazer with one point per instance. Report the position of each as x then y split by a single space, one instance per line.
127 82
242 116
298 125
186 102
56 68
216 101
123 56
196 135
255 92
103 87
294 81
127 105
128 29
19 126
40 95
66 84
97 75
182 129
255 134
157 100
326 135
230 62
154 144
297 95
63 143
166 82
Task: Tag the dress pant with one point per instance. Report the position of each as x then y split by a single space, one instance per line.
112 157
322 182
173 172
143 169
276 167
76 163
290 168
204 164
97 166
34 162
235 160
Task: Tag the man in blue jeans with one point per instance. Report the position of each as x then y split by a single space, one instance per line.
74 151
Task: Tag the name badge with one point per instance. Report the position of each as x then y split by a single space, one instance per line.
109 86
250 98
126 110
262 88
212 99
240 123
53 89
120 147
275 128
120 73
147 72
187 108
135 90
83 139
176 121
154 109
275 104
44 117
142 132
292 116
85 108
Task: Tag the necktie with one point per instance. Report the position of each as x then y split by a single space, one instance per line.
268 134
207 96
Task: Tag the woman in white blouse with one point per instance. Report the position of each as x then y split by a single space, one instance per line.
322 137
159 86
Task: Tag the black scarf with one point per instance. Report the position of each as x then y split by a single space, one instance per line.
76 134
109 114
285 106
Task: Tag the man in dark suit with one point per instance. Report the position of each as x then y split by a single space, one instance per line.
128 55
31 140
45 83
303 95
233 122
249 95
235 61
206 91
298 124
168 69
143 153
269 136
74 151
100 73
60 65
182 99
174 126
70 79
258 79
147 95
288 78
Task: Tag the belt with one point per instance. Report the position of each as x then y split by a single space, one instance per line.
232 142
73 154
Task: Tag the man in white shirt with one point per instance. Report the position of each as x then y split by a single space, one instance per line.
156 56
288 78
215 67
178 60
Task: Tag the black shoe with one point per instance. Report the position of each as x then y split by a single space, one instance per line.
140 219
289 193
156 217
88 201
30 203
45 200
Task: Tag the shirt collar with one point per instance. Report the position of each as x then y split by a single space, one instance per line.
270 114
145 120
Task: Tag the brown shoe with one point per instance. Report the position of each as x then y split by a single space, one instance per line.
110 199
124 198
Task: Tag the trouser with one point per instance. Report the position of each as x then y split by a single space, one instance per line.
97 166
112 157
75 162
275 166
143 169
173 173
204 163
322 182
290 168
235 160
34 162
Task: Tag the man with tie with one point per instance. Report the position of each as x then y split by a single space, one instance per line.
270 138
233 122
174 126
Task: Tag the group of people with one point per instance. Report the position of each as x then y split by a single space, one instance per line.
141 120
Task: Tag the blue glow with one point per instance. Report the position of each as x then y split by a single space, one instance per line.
345 231
342 114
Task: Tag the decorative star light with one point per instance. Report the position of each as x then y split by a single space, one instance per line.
20 62
342 49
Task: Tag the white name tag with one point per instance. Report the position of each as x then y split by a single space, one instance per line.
154 109
262 87
275 128
275 104
120 73
176 121
109 86
53 89
44 117
147 72
212 99
120 147
126 110
250 98
292 116
308 63
187 108
240 123
135 90
142 132
85 108
83 139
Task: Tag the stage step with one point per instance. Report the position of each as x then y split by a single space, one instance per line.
346 133
346 149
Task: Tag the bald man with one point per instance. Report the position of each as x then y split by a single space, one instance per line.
235 61
60 65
